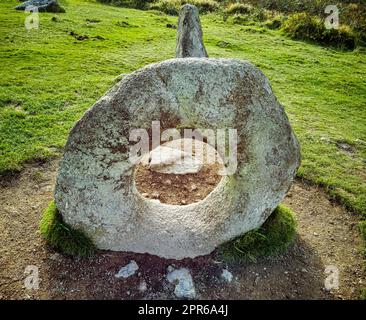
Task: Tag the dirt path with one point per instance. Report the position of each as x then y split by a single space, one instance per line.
327 235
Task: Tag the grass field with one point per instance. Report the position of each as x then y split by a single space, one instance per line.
50 76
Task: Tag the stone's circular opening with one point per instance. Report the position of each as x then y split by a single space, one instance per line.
179 172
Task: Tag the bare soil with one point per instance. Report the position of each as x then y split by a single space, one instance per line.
327 235
178 189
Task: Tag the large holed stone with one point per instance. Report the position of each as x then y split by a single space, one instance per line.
95 189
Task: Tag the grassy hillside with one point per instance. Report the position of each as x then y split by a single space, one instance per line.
50 76
352 15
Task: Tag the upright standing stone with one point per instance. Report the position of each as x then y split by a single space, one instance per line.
189 36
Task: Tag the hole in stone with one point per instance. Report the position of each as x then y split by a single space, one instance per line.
179 172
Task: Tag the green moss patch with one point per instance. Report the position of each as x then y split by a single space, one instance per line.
62 237
271 239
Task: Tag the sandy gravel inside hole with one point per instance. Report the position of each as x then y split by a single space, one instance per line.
180 189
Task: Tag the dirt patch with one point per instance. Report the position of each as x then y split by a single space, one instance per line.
79 37
178 189
327 236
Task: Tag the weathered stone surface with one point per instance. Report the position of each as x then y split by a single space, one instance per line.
189 35
42 6
95 190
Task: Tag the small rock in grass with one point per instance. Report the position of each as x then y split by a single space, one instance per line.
223 44
41 5
184 286
344 146
128 270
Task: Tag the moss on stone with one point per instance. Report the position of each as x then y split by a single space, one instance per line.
62 237
271 239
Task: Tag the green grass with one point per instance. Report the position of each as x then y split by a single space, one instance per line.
363 295
62 237
49 79
172 7
271 239
362 226
304 26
